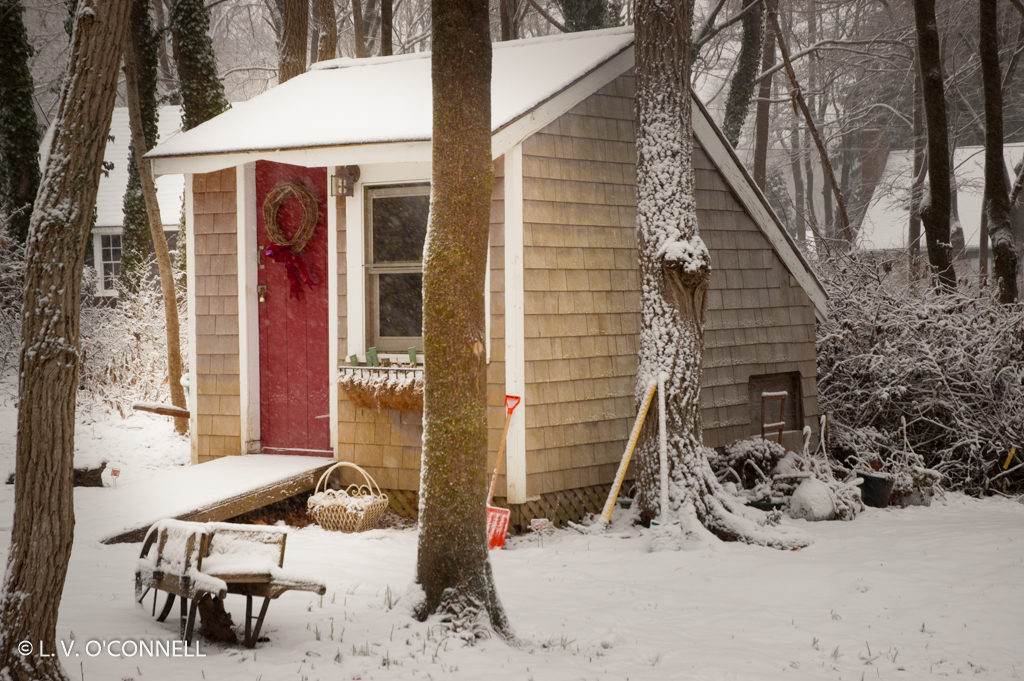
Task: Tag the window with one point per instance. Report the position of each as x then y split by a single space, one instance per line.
396 225
107 255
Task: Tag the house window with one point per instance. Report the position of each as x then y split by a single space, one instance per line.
396 225
108 262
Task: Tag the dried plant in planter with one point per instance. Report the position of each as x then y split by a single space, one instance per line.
399 388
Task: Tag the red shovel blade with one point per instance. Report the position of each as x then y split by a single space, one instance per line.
511 402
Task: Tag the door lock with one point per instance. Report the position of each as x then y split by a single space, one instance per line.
261 293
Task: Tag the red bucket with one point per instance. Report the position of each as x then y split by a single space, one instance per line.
497 526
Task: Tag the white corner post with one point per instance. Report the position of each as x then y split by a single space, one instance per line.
332 312
515 326
190 283
248 308
355 278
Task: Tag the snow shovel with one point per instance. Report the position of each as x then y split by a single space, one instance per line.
497 518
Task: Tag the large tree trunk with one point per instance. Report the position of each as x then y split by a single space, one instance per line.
294 32
358 33
132 55
44 518
202 93
19 130
508 11
675 268
997 186
935 208
795 153
742 86
327 43
764 103
452 563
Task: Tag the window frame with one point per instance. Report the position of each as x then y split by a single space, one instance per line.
372 270
98 252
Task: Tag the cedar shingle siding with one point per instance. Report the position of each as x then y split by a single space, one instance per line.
582 298
216 314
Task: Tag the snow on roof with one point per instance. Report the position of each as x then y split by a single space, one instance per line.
345 102
110 197
885 225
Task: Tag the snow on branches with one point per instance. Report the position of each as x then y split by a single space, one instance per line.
935 379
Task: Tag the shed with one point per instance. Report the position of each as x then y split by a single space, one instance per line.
353 137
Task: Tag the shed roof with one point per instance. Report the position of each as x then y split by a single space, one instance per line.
348 111
348 102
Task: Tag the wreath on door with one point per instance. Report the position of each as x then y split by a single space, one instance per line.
288 250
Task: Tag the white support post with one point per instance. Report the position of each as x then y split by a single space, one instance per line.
662 449
248 308
190 283
332 311
515 326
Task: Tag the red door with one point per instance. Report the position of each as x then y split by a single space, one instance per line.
294 405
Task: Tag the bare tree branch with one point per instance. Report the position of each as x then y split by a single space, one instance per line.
798 102
547 15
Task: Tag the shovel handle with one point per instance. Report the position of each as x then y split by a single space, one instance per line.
511 402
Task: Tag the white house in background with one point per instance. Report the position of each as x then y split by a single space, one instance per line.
107 234
886 224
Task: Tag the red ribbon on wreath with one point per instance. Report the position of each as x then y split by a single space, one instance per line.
294 265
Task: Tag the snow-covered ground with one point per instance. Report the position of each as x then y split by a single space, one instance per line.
896 594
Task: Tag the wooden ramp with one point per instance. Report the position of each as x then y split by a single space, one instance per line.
217 490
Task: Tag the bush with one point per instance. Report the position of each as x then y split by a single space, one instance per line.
123 355
913 378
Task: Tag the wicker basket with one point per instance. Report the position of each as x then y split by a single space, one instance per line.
353 509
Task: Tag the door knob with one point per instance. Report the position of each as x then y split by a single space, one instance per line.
261 293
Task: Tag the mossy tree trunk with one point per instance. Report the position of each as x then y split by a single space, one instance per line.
741 89
675 268
19 130
452 562
202 93
44 518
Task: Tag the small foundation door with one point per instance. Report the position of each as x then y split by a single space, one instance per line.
292 279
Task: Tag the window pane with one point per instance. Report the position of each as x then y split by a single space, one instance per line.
399 227
400 305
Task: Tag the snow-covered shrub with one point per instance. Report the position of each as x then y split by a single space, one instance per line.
915 379
124 350
748 462
12 275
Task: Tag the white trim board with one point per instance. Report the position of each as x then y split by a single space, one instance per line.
515 326
750 197
332 310
190 297
355 248
545 113
360 154
248 308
